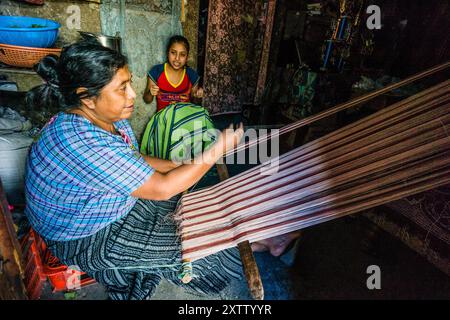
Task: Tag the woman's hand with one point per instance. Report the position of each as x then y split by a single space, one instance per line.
161 165
230 138
151 90
163 186
154 89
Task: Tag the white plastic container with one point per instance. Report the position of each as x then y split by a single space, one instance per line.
13 154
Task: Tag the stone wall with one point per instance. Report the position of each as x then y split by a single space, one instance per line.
144 25
61 11
144 29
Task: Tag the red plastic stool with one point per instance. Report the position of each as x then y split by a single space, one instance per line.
61 277
34 277
42 265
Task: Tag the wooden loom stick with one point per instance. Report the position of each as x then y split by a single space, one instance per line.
395 109
346 105
11 273
249 265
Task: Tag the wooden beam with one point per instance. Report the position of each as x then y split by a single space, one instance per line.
264 63
11 273
249 265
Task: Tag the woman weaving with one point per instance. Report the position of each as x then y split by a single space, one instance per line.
97 202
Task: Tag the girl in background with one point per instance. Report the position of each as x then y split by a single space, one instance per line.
173 81
173 84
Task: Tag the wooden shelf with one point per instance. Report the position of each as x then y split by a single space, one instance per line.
8 69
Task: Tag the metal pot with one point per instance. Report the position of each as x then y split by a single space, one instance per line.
111 42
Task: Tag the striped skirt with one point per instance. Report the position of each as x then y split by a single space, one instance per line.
131 256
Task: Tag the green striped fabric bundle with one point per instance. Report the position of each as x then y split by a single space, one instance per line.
178 132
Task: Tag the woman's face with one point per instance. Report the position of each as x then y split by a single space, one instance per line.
116 99
177 55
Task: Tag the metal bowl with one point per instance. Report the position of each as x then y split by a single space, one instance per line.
114 43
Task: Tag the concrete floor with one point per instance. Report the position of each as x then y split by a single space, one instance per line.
330 263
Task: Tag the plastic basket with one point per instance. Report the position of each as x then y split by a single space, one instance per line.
24 57
28 31
34 277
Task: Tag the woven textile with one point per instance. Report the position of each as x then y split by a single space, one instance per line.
394 153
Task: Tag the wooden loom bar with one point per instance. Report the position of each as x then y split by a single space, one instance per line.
349 104
11 272
249 265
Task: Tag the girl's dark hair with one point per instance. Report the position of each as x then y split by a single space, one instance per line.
178 39
83 64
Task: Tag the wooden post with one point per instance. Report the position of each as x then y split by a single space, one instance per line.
11 273
248 259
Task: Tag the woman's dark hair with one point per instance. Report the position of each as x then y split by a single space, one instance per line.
178 39
83 64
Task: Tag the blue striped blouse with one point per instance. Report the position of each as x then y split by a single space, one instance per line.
79 177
